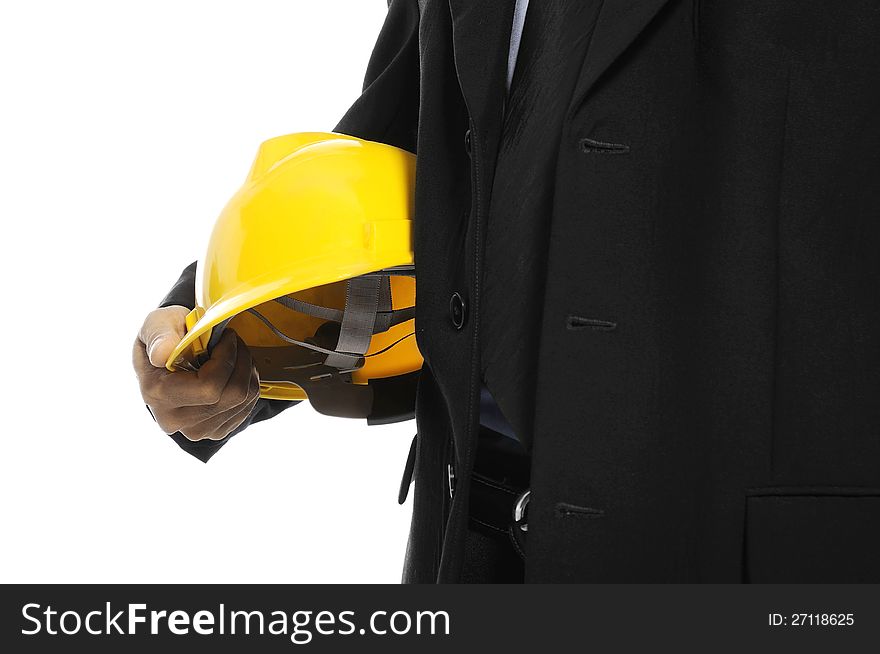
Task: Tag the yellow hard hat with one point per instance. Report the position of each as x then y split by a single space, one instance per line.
311 264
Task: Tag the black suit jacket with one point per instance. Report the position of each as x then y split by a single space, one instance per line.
708 385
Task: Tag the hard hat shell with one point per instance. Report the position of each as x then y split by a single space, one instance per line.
316 209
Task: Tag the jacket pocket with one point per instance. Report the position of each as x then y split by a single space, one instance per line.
815 535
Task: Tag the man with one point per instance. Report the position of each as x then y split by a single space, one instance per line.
646 245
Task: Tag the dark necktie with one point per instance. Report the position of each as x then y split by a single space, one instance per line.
554 41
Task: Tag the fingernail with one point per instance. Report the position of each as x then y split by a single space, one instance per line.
154 344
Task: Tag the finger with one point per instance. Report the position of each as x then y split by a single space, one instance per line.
200 423
219 426
206 417
162 331
240 381
146 372
242 384
195 422
206 385
224 358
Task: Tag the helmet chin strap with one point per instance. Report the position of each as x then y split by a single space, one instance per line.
364 297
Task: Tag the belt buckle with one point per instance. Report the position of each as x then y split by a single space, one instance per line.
450 478
519 510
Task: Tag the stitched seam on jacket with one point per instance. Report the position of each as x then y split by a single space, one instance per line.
486 524
482 480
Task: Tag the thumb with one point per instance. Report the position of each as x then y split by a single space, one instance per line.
162 331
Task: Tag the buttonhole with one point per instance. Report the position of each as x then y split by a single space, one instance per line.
577 323
592 146
566 510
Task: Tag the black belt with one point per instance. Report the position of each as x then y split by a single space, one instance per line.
499 494
499 510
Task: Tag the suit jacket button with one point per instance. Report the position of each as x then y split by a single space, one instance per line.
457 311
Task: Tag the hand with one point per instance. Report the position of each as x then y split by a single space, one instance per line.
209 403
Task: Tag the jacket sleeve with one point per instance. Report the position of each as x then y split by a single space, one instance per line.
183 293
387 110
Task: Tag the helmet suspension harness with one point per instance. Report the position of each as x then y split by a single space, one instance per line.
323 370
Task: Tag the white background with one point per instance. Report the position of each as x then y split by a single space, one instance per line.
124 128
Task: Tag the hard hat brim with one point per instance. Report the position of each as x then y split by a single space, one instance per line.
297 278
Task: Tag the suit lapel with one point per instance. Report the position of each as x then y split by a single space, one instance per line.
481 39
619 23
